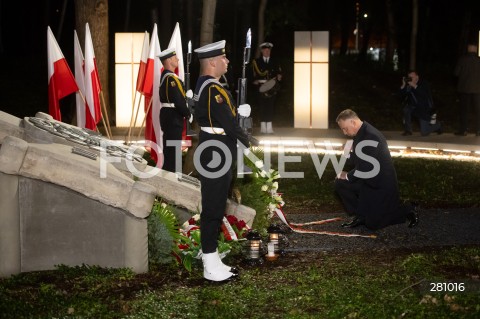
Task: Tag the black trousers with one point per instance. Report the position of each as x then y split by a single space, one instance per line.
267 107
214 187
172 127
468 101
348 193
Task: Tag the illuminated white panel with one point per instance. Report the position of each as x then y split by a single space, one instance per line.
311 79
319 94
125 92
302 46
320 48
128 51
301 87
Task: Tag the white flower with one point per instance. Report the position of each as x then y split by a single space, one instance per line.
277 198
264 188
259 164
163 205
196 217
272 207
275 185
185 225
263 173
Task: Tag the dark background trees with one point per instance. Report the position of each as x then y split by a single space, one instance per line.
444 27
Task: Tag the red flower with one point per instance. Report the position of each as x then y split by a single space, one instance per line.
183 246
232 219
240 225
192 221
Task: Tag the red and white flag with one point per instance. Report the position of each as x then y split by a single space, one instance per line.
92 84
80 78
143 63
60 79
153 70
176 42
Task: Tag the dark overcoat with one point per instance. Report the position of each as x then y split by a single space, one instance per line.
373 170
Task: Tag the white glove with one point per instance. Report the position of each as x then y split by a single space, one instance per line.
191 118
189 94
244 110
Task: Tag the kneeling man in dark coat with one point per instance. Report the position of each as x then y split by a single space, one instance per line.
369 191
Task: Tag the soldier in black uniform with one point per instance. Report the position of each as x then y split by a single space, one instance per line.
219 135
173 112
264 69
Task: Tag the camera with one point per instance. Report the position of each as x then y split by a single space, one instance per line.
407 79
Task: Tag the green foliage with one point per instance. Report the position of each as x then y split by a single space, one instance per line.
310 285
259 191
162 233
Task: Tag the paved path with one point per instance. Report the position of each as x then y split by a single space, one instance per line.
437 228
446 141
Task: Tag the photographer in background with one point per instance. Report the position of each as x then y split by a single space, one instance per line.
418 103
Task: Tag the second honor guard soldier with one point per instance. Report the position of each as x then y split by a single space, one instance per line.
173 112
219 135
267 76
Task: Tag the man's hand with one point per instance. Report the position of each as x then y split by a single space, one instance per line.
342 175
189 94
244 110
191 118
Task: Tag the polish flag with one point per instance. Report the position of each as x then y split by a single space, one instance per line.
143 63
92 84
151 85
80 78
60 79
176 42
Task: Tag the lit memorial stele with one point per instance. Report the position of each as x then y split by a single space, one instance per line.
311 79
128 53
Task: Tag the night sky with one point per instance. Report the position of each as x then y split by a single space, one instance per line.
23 81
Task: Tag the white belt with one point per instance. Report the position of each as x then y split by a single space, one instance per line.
168 104
213 130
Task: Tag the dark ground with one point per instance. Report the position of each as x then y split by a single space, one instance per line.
437 228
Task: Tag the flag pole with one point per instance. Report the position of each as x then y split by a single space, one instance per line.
109 130
134 122
127 136
136 116
144 119
85 101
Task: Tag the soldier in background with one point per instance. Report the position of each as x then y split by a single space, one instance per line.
267 75
174 109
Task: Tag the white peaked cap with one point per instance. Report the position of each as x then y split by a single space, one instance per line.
266 45
211 50
165 54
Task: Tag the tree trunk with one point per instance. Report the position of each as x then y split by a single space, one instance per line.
95 13
391 33
261 25
413 36
208 21
206 37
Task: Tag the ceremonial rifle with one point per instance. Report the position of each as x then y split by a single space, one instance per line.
190 102
244 122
